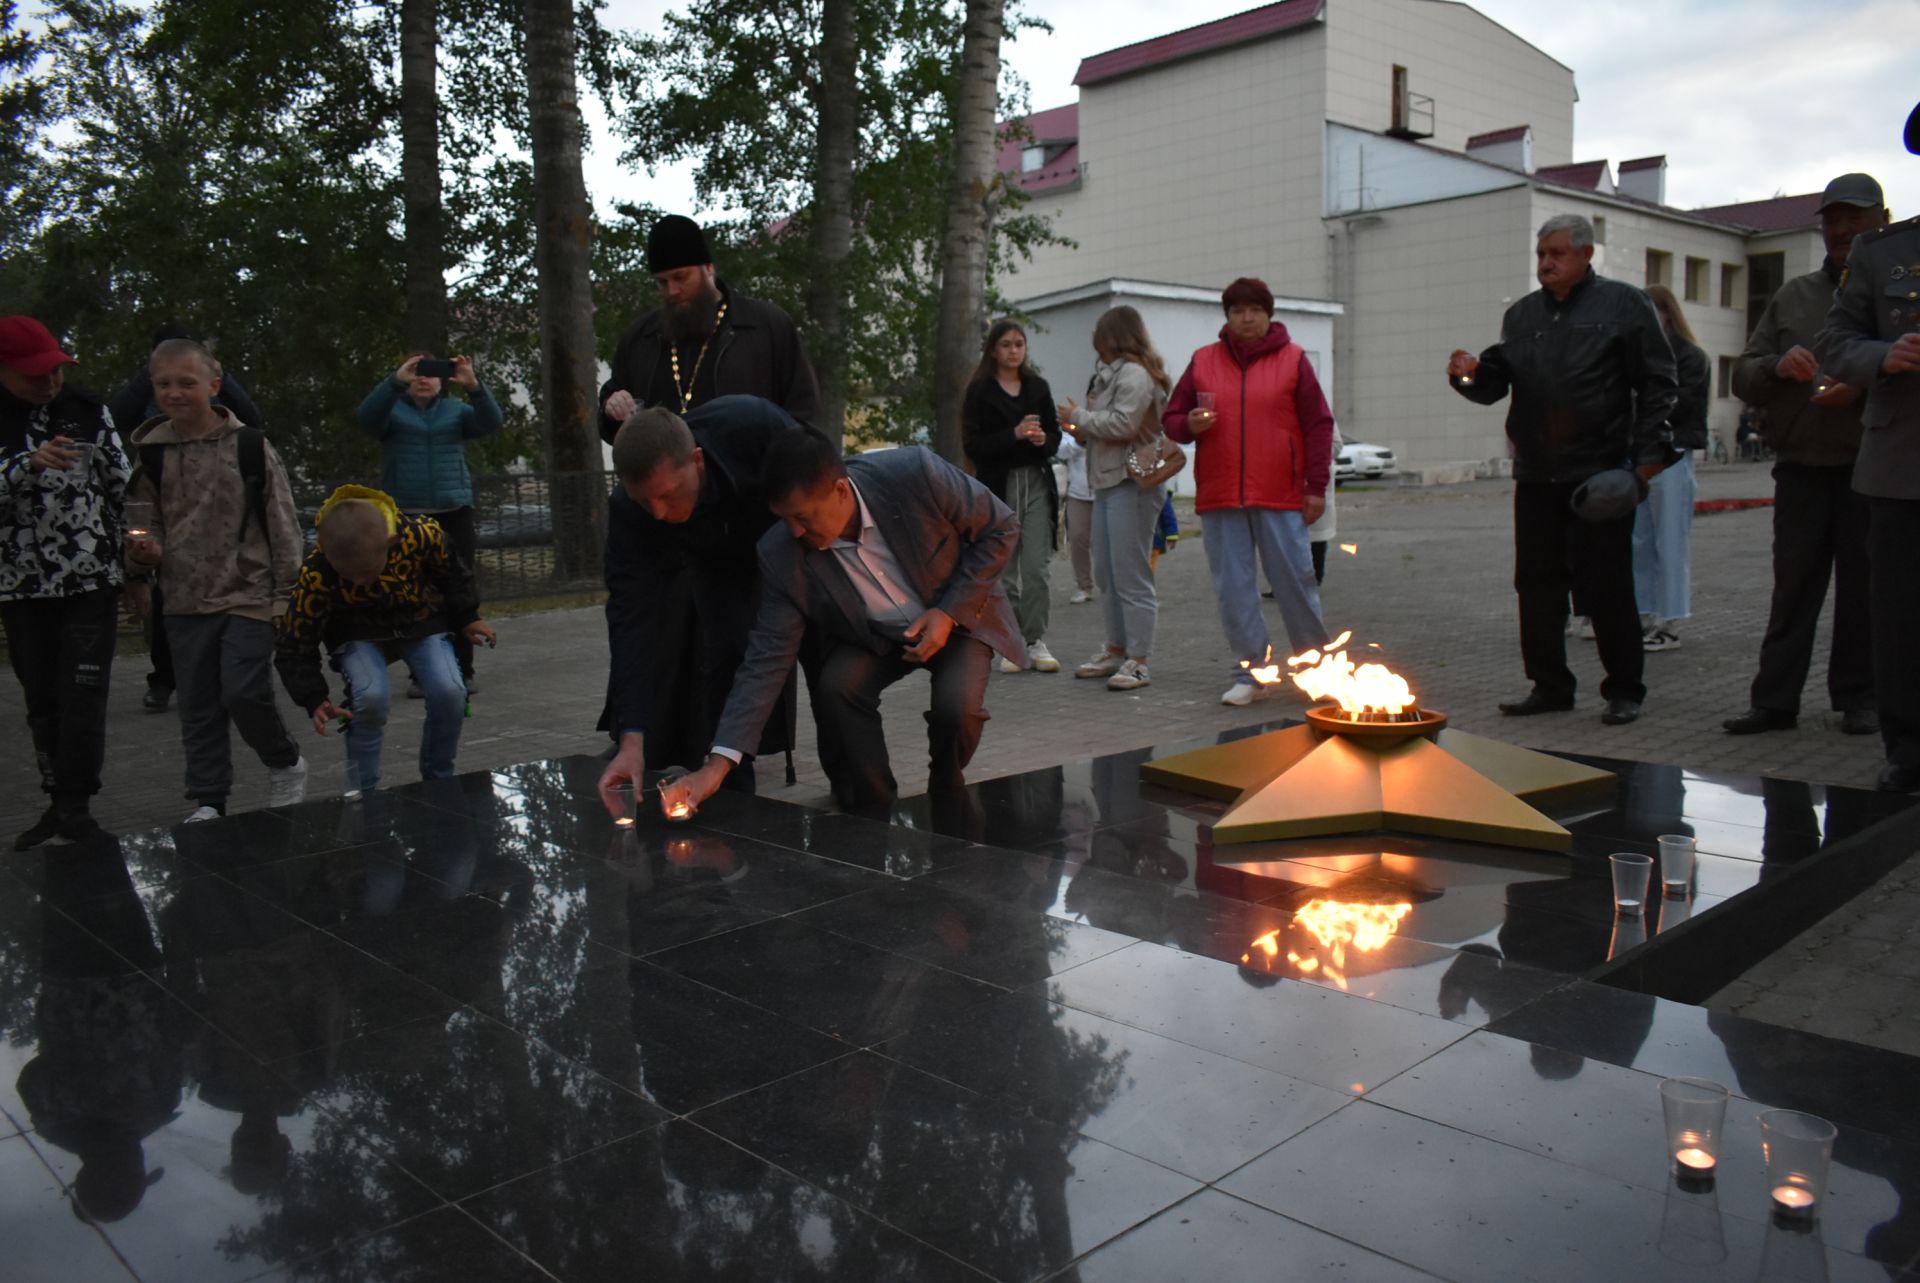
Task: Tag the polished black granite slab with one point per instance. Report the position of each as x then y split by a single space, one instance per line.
475 1030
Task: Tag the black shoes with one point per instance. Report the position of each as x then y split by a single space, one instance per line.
1535 702
1899 779
1621 711
1859 721
44 830
1756 720
1854 721
157 698
71 826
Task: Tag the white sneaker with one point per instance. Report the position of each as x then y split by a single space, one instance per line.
1042 659
201 813
1008 666
1103 664
1241 694
1129 676
1081 597
287 784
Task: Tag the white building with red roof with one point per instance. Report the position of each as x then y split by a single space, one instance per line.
1382 165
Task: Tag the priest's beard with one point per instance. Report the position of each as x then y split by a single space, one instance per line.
694 320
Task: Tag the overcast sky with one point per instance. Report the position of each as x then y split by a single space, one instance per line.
1747 98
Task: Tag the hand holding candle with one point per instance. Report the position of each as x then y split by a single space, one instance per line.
681 796
622 775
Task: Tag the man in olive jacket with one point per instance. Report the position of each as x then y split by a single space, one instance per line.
1872 341
1819 523
1593 384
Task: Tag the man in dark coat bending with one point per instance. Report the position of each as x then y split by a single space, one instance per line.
690 509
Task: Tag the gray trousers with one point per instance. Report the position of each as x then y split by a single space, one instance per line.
1025 578
1123 521
223 670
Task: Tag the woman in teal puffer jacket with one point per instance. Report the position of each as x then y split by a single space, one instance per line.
423 436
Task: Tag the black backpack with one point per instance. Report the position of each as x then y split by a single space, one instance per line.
253 475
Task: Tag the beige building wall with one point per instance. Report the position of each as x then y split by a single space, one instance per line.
1480 76
1425 280
1803 251
1197 172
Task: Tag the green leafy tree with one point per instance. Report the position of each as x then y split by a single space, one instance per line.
737 86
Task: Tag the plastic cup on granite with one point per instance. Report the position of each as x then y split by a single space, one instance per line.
1696 1116
1631 872
1799 1150
1676 864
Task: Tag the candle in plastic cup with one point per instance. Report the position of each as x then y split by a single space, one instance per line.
1631 871
1676 863
624 820
1695 1111
1203 401
1798 1149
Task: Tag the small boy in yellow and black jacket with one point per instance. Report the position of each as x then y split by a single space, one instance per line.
379 587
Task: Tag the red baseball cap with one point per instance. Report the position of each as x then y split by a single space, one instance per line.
29 346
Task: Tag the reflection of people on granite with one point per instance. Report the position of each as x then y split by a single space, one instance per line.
277 1010
108 1073
1133 881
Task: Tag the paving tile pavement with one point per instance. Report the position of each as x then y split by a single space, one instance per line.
1430 581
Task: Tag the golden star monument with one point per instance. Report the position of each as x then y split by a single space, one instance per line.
1376 761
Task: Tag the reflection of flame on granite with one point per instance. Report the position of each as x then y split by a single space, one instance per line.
1320 934
1376 760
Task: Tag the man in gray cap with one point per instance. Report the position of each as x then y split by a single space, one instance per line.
1871 341
1592 378
1819 523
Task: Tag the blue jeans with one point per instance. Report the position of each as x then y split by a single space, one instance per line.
369 697
1233 538
1662 533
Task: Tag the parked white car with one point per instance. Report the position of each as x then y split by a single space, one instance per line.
1358 459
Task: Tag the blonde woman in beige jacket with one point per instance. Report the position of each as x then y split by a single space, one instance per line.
1121 419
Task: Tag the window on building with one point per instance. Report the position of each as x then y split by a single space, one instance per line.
1726 377
1697 273
1729 285
1033 158
1659 267
1599 229
1399 97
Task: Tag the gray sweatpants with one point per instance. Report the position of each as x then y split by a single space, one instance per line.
223 672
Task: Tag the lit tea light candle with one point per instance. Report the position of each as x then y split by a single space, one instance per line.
1792 1198
624 822
1695 1162
679 811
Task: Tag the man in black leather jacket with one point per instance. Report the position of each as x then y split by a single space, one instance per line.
1592 379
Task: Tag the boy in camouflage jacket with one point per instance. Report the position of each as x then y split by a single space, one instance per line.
226 570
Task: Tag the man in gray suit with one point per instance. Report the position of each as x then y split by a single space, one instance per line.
892 562
1872 341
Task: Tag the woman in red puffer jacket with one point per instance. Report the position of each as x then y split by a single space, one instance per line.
1264 435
